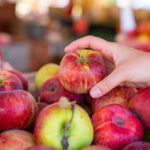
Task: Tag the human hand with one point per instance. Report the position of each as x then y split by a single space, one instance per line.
132 67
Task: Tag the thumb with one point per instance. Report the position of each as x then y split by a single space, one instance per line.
107 84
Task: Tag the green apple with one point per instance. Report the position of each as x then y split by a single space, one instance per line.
44 73
64 126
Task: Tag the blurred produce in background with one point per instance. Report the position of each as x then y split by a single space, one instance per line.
35 32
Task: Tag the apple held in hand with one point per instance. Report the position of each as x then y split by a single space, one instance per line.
138 146
52 90
81 70
17 109
16 140
45 72
63 126
115 126
140 104
9 81
22 78
118 95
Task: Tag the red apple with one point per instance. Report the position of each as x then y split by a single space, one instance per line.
9 81
144 27
81 26
63 125
140 104
138 146
40 147
45 72
119 95
115 126
22 78
16 140
41 106
17 109
52 90
96 147
80 70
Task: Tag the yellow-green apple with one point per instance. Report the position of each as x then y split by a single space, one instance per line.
17 109
115 126
22 78
118 95
139 145
9 81
45 72
40 147
140 104
97 147
40 107
52 89
16 140
81 70
63 125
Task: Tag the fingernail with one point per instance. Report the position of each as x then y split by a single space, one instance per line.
95 92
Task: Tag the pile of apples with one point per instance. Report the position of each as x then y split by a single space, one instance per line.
63 116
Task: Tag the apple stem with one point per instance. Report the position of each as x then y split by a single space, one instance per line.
64 102
82 57
38 99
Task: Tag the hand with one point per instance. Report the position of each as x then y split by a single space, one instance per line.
132 67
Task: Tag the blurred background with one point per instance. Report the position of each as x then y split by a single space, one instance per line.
35 32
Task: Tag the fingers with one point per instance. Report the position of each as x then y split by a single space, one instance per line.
107 84
105 47
109 66
137 84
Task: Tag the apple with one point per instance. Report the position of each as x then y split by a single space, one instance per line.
144 27
41 106
140 104
143 38
17 109
80 70
9 81
96 147
63 125
138 146
52 90
40 147
118 95
16 140
22 78
81 26
115 126
44 73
